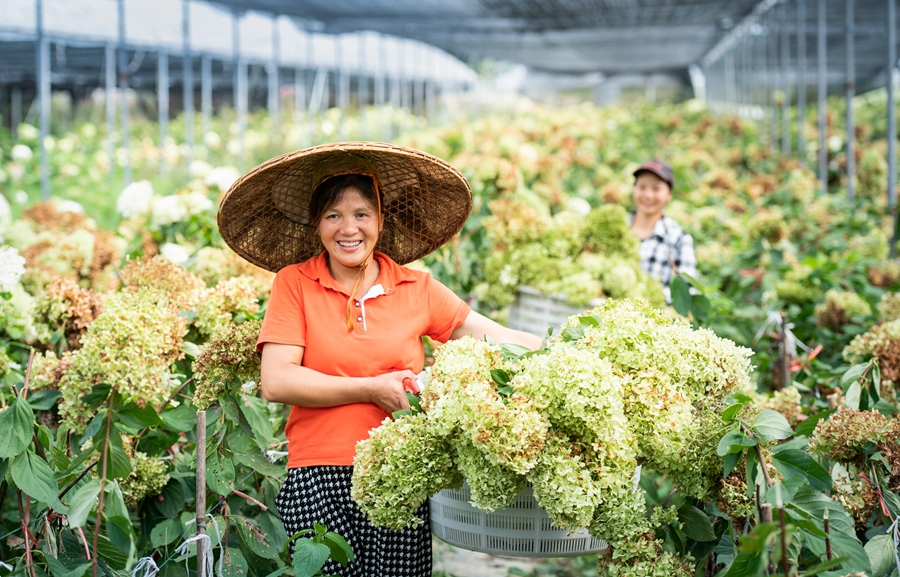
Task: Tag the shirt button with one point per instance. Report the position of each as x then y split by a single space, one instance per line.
359 318
357 304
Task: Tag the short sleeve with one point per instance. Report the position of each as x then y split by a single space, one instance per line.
685 260
285 321
447 311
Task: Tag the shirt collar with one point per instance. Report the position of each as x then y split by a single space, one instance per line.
390 274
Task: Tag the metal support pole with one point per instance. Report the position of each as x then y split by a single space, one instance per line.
235 53
43 69
786 104
363 88
110 85
273 101
240 76
729 80
801 80
123 97
188 78
823 88
299 94
15 111
162 99
851 89
892 118
205 95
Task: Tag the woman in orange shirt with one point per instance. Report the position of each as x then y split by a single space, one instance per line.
341 341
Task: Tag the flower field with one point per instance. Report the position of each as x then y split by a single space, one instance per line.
749 429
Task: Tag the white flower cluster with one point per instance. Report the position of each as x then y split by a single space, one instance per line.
135 199
622 387
177 208
222 177
12 267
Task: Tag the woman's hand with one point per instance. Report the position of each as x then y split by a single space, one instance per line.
388 391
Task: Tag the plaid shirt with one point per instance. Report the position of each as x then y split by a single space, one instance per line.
668 245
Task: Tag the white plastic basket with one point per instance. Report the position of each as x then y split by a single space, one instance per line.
535 312
521 530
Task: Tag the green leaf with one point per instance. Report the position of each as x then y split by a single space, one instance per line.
233 563
792 461
734 442
309 557
35 478
512 351
120 533
16 428
747 565
118 464
43 400
414 405
771 426
500 376
98 394
256 412
180 419
700 308
165 533
807 427
57 569
681 295
82 502
842 530
138 418
572 334
255 539
729 413
853 396
880 550
220 474
172 499
341 551
260 464
695 523
819 569
853 373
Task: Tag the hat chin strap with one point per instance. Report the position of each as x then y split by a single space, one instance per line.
361 275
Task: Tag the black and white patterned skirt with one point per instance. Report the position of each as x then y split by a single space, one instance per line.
322 495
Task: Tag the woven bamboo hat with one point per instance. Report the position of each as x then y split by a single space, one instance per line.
264 216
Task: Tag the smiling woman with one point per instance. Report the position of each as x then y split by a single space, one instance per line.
341 340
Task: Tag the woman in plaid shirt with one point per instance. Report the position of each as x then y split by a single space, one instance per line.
665 247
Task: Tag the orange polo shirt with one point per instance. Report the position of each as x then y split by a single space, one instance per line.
308 308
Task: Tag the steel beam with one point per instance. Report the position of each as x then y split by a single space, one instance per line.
892 118
162 99
851 89
188 79
272 71
801 80
110 85
206 106
123 98
823 88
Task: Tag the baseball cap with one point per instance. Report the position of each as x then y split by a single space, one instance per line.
660 169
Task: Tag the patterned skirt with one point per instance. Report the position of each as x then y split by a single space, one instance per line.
321 494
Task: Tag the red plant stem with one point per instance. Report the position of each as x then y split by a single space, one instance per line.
102 488
87 550
762 461
249 498
784 559
23 519
28 373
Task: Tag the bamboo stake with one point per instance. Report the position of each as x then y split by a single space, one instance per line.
201 491
785 354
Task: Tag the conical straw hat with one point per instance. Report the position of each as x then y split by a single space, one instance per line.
264 216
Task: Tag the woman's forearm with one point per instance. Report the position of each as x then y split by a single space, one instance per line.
292 384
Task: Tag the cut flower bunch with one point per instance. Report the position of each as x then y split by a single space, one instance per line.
620 388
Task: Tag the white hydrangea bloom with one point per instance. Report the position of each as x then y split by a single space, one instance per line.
168 210
199 169
222 177
12 267
174 252
28 132
135 199
69 206
22 153
195 203
5 214
21 197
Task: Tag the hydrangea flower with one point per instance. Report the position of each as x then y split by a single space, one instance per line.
135 199
222 177
174 252
228 358
21 153
12 267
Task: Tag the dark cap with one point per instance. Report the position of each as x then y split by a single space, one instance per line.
660 169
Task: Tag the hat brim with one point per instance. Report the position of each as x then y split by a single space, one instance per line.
264 216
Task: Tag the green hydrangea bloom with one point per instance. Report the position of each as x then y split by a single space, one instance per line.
844 436
606 232
229 359
147 478
219 305
839 307
889 307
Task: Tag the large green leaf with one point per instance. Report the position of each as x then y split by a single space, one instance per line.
256 412
255 539
138 418
180 419
82 502
233 563
734 442
695 523
341 551
165 533
841 528
681 295
880 550
771 426
219 473
795 461
44 400
309 557
260 464
57 569
16 428
34 477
